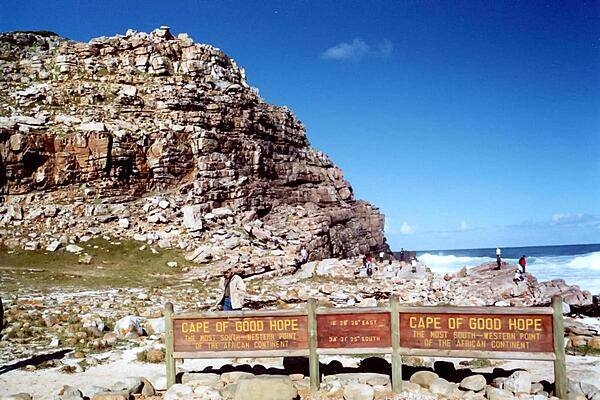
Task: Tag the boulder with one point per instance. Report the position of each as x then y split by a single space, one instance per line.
518 382
473 382
178 392
442 388
358 391
499 394
129 324
424 378
265 388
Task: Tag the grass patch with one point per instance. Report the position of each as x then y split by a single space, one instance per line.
114 264
583 350
480 363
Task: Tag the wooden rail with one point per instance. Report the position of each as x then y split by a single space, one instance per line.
513 333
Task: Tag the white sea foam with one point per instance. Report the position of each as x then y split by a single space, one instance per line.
582 270
590 261
449 263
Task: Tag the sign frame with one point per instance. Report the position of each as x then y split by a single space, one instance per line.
312 313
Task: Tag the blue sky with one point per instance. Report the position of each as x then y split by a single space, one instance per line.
468 123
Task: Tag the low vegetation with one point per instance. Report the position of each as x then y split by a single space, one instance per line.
101 264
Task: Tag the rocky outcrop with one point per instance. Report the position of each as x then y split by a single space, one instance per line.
88 131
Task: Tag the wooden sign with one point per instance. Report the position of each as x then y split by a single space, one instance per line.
354 330
484 332
256 333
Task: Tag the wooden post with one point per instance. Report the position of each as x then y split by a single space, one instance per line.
396 359
169 360
313 357
560 370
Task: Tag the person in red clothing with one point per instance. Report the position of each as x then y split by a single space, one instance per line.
523 263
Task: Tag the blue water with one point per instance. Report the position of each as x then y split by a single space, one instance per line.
576 264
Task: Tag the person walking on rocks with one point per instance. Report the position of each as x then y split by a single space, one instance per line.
498 258
233 290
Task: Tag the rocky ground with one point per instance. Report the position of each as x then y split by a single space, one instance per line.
135 169
93 339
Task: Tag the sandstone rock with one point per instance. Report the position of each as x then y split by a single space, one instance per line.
265 388
424 378
73 248
518 382
17 396
128 324
200 379
178 392
53 246
111 396
358 391
442 387
473 382
206 393
499 394
594 343
233 377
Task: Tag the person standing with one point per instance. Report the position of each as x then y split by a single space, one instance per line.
233 290
402 254
523 263
498 258
381 255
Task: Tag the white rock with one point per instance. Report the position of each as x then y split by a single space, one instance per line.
155 326
191 218
73 248
424 378
128 90
164 204
358 391
178 392
139 237
128 324
172 264
518 382
123 223
92 127
474 383
53 246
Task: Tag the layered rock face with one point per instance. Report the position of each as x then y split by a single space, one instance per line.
154 136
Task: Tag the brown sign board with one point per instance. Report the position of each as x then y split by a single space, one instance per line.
356 330
485 332
257 333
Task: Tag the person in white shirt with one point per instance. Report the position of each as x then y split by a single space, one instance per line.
498 259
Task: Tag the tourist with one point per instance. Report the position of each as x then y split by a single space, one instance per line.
498 258
413 264
523 263
381 255
233 290
401 254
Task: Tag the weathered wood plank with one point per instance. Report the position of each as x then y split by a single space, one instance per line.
483 332
560 369
476 354
248 333
356 330
240 354
475 310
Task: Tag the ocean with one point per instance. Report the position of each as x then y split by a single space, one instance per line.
576 264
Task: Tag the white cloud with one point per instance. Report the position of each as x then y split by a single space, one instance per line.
356 49
575 219
406 229
463 225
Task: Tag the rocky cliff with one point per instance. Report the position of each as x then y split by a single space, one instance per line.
160 139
